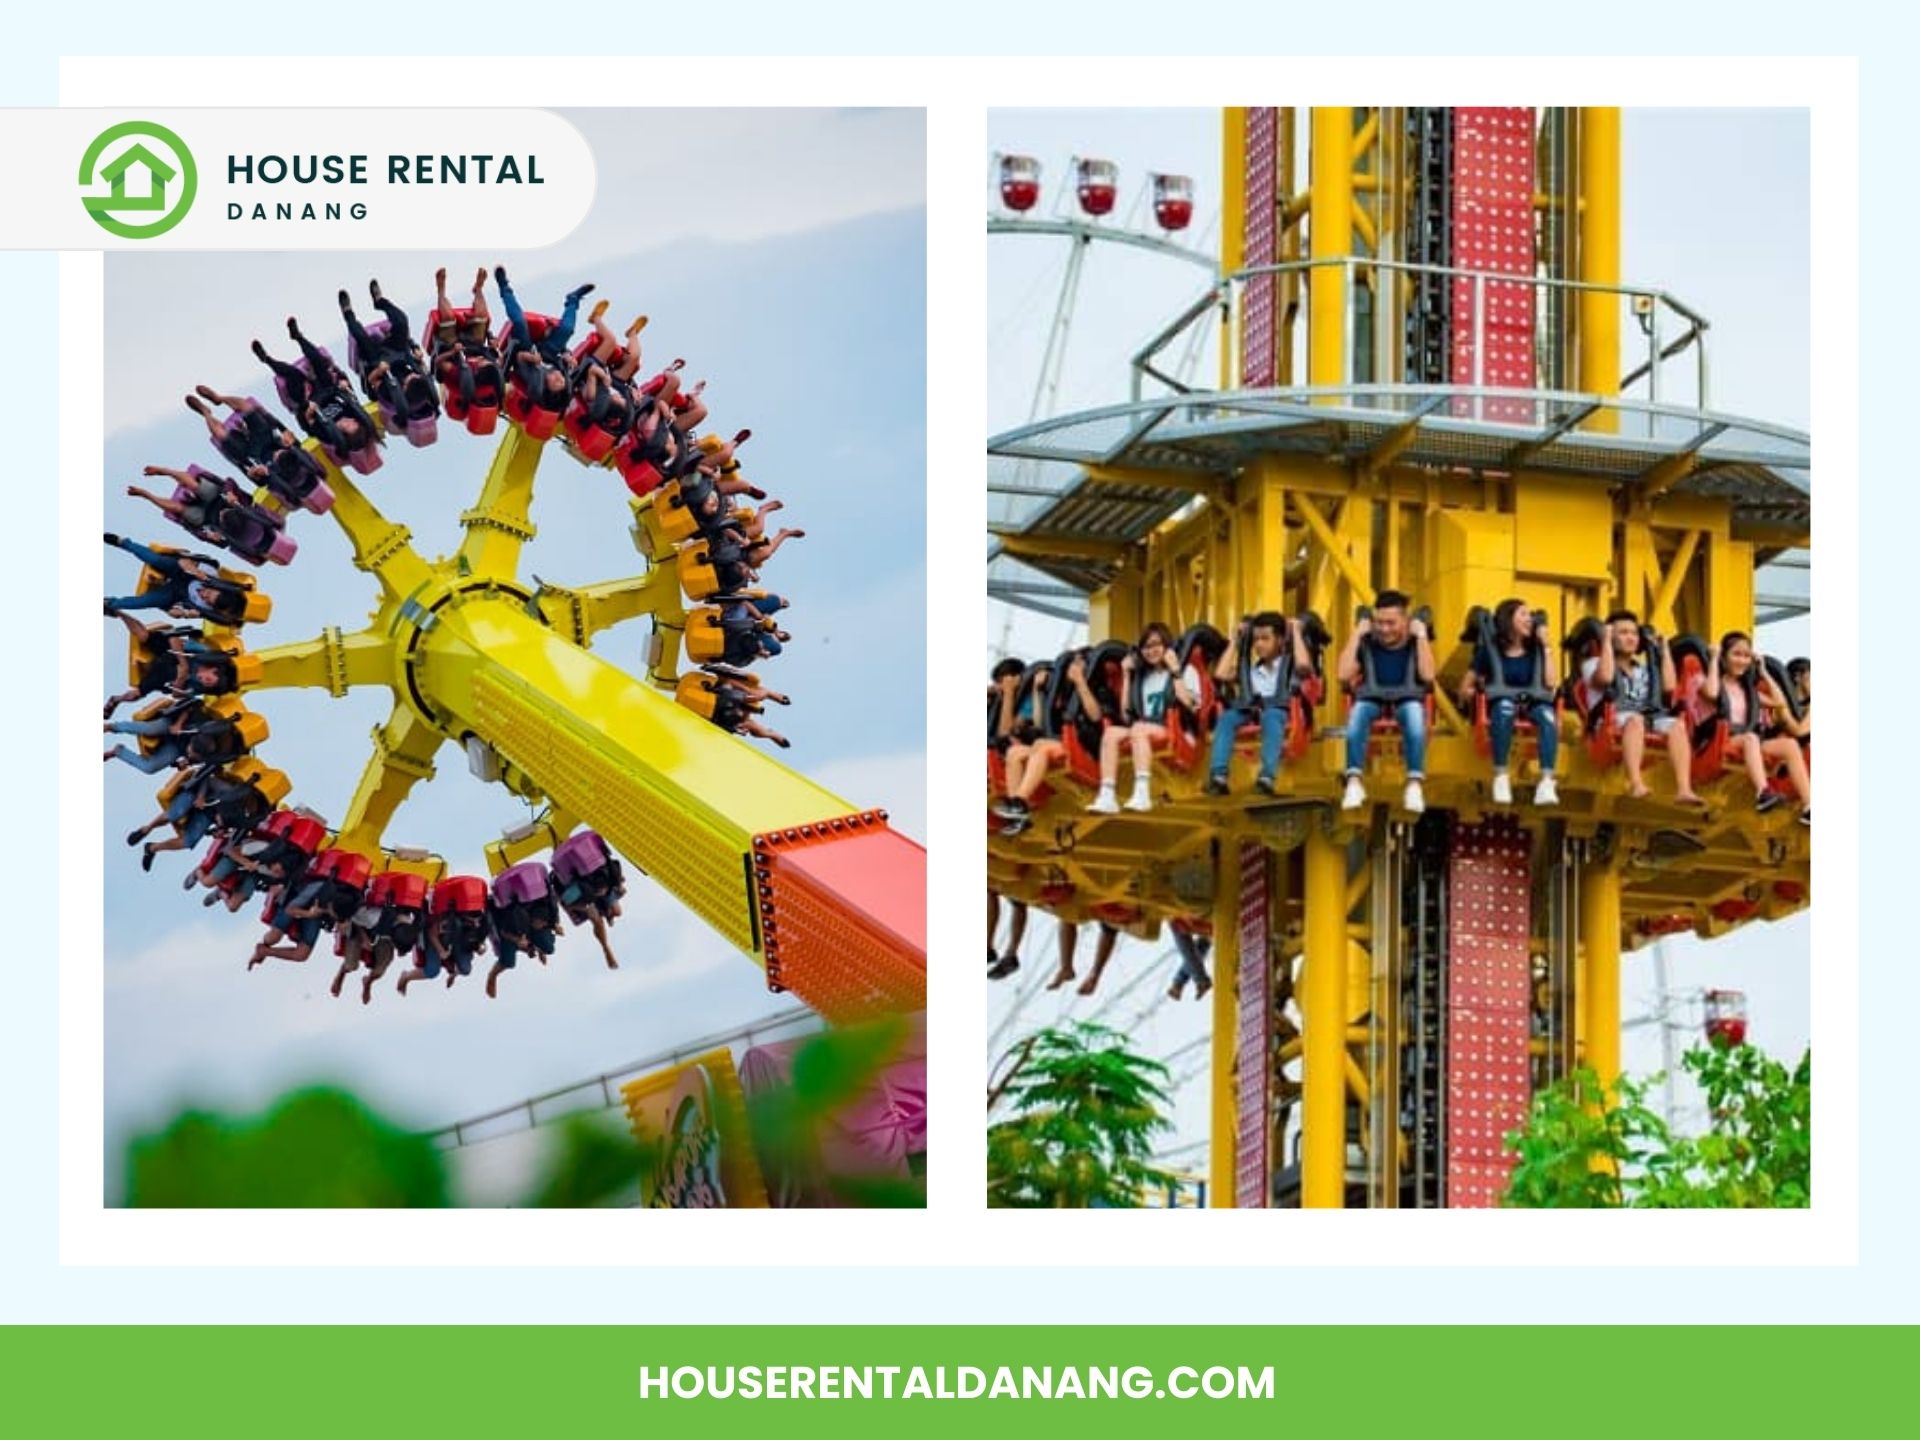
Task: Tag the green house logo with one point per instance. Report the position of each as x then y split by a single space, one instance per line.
149 184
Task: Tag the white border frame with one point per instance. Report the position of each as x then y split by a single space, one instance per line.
958 1231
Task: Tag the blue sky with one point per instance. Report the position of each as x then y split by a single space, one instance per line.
799 293
1715 211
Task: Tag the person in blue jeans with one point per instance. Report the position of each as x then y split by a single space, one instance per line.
177 573
1268 655
1193 947
552 345
1387 664
170 731
1517 674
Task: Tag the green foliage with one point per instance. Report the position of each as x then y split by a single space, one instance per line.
830 1070
322 1148
595 1162
1085 1112
315 1147
1577 1152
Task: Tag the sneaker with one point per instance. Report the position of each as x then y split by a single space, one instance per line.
1201 987
1766 801
1178 988
1011 808
1355 795
1546 793
1006 967
1104 803
1012 825
1264 784
1141 799
1216 784
1414 801
1806 817
1503 789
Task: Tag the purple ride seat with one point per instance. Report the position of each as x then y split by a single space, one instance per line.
524 883
578 855
419 433
262 541
363 461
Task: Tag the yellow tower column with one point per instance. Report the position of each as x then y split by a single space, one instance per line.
1222 1143
1599 253
1600 984
1323 1106
1330 216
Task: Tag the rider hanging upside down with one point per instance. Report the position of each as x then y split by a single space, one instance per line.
553 344
188 584
321 396
393 369
464 359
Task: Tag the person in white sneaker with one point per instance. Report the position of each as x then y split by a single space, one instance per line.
1513 668
1387 665
1155 679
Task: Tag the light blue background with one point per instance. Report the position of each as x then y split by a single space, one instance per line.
1881 1287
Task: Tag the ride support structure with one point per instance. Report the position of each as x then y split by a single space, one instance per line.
825 896
1422 387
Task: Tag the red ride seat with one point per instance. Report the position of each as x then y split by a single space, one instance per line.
537 421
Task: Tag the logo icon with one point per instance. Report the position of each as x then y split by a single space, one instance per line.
153 176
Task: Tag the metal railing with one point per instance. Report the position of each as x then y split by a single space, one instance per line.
601 1092
1650 307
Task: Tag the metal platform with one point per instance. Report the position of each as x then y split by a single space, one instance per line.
1065 524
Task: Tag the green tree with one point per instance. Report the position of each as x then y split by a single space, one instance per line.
1084 1112
1577 1152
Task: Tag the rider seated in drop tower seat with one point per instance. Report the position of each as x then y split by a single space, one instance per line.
1156 681
1641 687
1269 653
1387 664
1515 667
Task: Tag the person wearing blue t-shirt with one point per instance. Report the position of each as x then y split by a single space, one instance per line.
1387 663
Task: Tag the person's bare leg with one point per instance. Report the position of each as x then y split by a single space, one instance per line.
1680 756
600 934
1014 768
1017 928
1755 763
1633 753
1069 937
1103 952
1143 737
480 311
754 727
347 967
1785 751
216 427
493 978
1042 758
630 362
1112 741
